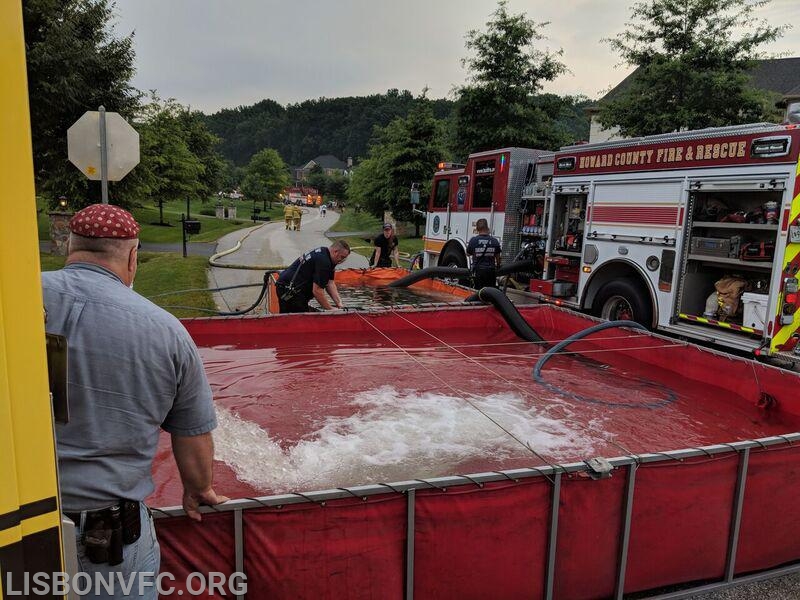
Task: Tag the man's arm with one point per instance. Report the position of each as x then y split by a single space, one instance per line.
194 456
334 293
319 294
396 256
377 256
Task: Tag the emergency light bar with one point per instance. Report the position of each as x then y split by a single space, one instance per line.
446 166
768 147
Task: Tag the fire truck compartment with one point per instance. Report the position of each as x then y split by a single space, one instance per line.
381 410
731 236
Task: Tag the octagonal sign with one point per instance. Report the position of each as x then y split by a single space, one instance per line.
83 145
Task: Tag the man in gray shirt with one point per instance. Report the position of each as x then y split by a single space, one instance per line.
133 370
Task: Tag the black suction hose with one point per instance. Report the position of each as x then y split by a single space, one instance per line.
261 294
508 311
428 273
515 267
671 396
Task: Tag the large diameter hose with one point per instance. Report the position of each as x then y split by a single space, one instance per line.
671 396
515 267
428 273
508 311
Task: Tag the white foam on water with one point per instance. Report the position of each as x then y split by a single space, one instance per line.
395 435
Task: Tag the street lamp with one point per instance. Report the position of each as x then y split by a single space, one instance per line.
62 202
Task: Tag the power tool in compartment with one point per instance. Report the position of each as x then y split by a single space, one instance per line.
757 251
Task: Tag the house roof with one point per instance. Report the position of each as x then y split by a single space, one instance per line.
780 75
327 161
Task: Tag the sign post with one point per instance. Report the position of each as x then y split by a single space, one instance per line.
103 146
103 155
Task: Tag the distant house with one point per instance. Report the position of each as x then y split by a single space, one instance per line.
778 75
329 164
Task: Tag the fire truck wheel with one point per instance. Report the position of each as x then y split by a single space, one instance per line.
623 300
452 257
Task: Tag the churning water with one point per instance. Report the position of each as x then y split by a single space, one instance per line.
368 296
395 435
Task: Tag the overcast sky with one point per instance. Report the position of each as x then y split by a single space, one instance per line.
212 54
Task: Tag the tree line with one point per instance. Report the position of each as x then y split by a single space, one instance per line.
693 60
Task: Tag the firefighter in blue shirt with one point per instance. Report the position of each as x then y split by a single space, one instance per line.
485 251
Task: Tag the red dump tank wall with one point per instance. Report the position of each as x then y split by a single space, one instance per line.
482 540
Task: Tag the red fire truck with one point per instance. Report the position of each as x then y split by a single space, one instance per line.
694 233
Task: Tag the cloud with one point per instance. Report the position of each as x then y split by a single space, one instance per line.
224 53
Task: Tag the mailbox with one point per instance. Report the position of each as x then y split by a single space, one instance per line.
191 227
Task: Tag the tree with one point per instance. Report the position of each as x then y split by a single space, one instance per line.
693 59
500 106
336 187
265 177
404 152
203 145
168 169
75 64
318 179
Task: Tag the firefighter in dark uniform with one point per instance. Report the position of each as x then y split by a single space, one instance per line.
310 276
485 251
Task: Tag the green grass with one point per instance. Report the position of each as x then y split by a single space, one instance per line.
48 262
211 228
351 221
161 272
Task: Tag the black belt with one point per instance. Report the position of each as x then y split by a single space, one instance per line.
100 513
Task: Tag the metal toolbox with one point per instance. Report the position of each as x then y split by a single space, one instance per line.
711 246
550 287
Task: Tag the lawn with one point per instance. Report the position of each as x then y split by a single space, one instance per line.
357 222
161 272
211 228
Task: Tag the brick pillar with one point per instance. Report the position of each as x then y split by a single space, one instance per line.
59 232
232 212
220 211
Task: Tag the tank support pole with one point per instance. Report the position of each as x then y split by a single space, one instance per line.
736 516
238 540
551 544
410 545
626 531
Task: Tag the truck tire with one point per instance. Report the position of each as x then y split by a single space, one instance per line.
624 300
454 257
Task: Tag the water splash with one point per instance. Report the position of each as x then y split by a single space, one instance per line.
395 435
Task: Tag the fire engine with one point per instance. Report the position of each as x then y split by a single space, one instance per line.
695 233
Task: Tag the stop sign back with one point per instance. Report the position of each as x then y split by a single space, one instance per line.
83 145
